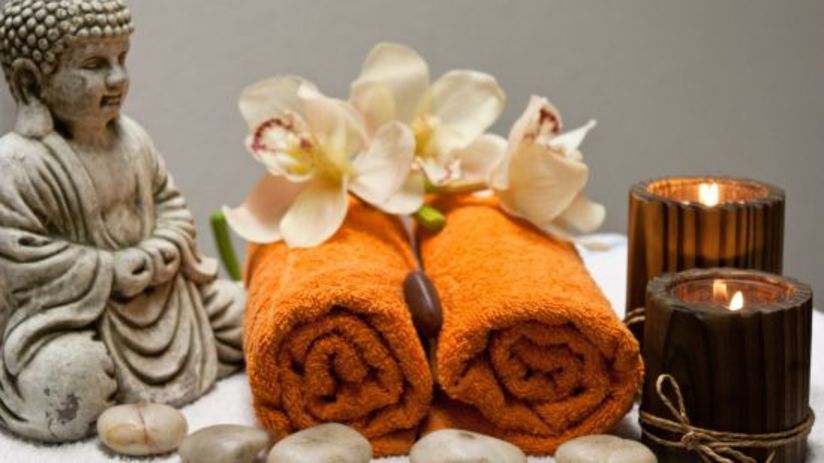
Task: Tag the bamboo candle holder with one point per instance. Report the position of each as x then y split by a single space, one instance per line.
681 223
741 363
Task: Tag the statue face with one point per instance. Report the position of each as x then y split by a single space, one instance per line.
90 84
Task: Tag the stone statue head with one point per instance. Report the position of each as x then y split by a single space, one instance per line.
64 61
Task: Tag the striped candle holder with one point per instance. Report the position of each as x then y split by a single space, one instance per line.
680 223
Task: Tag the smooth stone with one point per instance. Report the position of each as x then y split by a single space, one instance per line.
424 304
602 448
457 446
142 429
224 443
326 443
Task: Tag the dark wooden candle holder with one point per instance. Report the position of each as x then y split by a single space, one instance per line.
743 371
671 229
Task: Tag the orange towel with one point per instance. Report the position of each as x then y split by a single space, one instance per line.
530 350
329 338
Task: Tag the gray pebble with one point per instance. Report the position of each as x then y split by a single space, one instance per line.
142 429
224 443
327 443
457 446
603 448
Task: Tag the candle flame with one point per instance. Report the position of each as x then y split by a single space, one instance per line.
737 302
720 293
719 290
708 194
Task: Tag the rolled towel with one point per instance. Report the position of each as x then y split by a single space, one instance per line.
530 350
328 337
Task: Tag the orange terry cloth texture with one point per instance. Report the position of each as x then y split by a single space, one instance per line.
329 337
530 350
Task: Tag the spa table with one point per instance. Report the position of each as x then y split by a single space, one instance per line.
230 401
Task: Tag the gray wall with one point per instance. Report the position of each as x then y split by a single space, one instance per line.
686 87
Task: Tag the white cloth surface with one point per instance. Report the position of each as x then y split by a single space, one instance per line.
230 401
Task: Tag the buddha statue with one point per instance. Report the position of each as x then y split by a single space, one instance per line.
104 296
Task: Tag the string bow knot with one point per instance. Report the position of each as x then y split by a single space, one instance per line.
713 446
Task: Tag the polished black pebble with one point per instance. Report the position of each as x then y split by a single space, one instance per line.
424 304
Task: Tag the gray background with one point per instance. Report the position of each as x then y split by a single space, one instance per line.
687 87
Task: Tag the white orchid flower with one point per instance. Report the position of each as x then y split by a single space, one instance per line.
448 117
542 175
316 150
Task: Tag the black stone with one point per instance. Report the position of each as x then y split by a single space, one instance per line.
424 304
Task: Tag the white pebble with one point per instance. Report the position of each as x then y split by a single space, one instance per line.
602 448
224 443
142 429
330 442
457 446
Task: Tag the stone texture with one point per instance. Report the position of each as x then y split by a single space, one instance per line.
104 296
224 443
330 442
603 449
142 429
457 446
71 380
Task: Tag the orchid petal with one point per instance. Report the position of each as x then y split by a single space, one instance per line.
391 85
257 218
376 103
273 146
527 126
437 172
569 142
381 171
272 98
465 104
524 131
584 215
542 184
336 126
315 215
409 198
479 159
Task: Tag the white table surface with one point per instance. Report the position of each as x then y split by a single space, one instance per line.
230 401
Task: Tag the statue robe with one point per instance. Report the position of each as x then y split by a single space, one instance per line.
56 275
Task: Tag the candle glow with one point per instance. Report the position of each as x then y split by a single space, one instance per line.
708 194
720 293
737 302
719 290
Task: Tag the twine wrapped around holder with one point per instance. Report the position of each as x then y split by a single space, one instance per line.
635 317
744 371
713 446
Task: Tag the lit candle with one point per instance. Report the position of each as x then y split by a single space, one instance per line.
719 292
681 223
708 194
741 362
737 302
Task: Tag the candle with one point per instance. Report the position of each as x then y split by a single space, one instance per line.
681 223
736 343
708 194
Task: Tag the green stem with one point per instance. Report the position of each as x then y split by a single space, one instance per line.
220 231
428 186
430 218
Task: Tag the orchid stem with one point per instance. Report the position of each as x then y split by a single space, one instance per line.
430 218
220 231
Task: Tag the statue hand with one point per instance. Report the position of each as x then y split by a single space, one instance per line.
132 272
165 258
